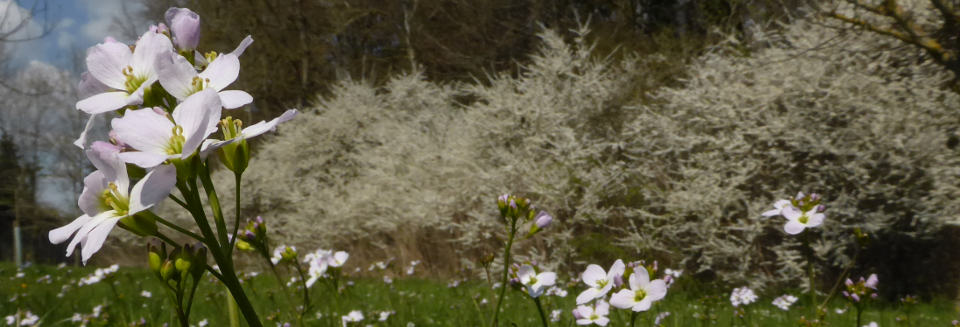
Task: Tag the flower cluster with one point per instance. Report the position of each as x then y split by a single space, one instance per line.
98 275
532 282
742 296
784 301
801 212
167 99
861 289
637 294
26 318
321 261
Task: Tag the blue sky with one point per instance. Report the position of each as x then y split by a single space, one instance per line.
77 25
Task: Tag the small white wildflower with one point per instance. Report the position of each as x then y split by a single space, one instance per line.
784 301
146 294
742 296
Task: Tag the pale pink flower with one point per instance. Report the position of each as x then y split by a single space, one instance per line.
642 293
600 282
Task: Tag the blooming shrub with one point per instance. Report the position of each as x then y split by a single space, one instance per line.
684 178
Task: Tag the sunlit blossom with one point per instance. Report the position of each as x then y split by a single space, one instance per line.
600 282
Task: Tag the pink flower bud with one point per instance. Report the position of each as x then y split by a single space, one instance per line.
617 280
848 282
543 219
185 25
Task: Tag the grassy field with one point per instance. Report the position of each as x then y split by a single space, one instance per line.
53 294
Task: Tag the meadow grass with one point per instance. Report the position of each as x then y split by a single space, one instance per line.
415 301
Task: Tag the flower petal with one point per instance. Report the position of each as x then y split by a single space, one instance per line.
104 157
94 240
87 227
263 127
246 42
82 140
144 159
588 295
791 213
793 227
592 274
153 188
222 71
603 308
233 99
616 269
61 234
623 299
103 102
89 200
198 115
525 273
106 62
815 219
149 47
643 305
144 130
640 278
656 290
176 75
90 85
547 278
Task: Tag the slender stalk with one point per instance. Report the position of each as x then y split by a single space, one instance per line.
172 225
177 200
236 221
543 315
633 318
232 310
859 313
506 267
214 204
306 294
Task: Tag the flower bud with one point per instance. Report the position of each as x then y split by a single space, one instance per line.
156 253
185 25
166 271
577 315
617 280
543 219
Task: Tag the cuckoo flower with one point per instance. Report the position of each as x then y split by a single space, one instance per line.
535 283
106 199
181 80
156 138
642 293
600 282
777 208
593 315
125 73
799 220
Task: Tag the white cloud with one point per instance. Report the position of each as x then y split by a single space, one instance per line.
101 15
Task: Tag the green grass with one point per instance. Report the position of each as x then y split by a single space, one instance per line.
418 301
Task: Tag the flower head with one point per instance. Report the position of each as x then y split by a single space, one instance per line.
596 314
157 137
107 199
600 282
535 283
742 296
642 293
125 74
784 301
800 220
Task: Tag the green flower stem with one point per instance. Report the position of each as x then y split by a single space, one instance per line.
506 267
236 220
225 262
633 318
543 315
306 294
214 205
172 226
232 310
177 200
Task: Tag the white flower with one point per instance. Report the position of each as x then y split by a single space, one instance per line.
353 316
600 282
387 280
181 80
384 315
642 293
798 221
202 323
146 294
157 138
247 133
872 324
784 301
660 317
556 291
125 73
742 296
535 283
107 198
778 208
597 314
555 315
